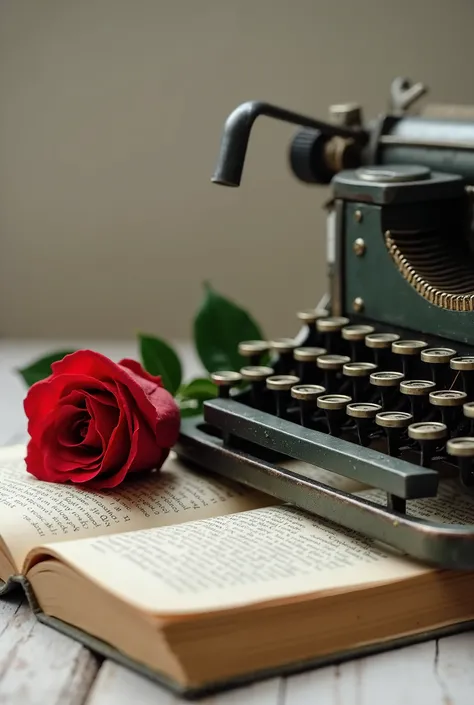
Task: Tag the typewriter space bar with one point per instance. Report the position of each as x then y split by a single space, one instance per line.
368 466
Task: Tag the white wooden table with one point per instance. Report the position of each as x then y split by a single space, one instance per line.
38 666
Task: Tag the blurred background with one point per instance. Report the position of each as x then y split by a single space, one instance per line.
111 114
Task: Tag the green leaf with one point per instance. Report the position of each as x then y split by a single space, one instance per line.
41 368
159 358
190 407
200 389
220 325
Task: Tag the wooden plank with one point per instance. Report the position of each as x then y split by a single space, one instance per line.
116 685
37 664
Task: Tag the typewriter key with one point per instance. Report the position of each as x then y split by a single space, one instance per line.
381 346
438 359
356 335
463 449
253 349
393 422
331 328
256 376
387 383
408 351
284 348
334 406
332 366
428 434
363 414
225 380
449 402
468 411
464 366
309 316
281 386
306 358
417 390
360 373
307 395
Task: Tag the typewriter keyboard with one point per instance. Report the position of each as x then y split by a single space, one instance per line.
405 398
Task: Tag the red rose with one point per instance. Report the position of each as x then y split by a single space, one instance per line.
95 421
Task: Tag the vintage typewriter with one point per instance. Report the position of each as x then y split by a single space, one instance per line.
378 387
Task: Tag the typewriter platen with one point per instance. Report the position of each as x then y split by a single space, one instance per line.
378 387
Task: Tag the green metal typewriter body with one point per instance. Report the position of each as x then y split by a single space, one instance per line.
378 388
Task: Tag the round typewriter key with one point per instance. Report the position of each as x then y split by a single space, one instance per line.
307 395
387 383
428 434
335 406
225 380
360 373
281 385
332 367
381 346
256 375
408 350
448 402
438 359
417 390
464 365
462 449
253 349
363 414
393 423
306 358
284 348
309 316
355 335
468 411
331 328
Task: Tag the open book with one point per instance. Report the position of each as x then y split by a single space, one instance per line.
200 583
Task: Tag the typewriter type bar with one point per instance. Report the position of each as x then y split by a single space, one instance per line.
444 545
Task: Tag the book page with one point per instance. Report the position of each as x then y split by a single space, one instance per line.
34 512
230 561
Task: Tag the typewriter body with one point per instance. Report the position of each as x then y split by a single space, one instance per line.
378 387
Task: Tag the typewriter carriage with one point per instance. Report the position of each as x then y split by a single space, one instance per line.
401 268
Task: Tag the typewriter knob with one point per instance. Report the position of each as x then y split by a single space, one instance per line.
315 159
256 376
417 390
407 350
448 401
355 335
393 423
225 380
463 450
358 371
428 434
253 349
309 316
284 348
334 406
438 359
331 365
307 357
381 345
387 383
363 414
307 395
465 366
330 328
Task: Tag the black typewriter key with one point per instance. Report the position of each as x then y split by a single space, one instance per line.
332 365
429 435
253 350
387 384
393 423
363 415
225 380
408 351
257 376
306 359
468 411
331 328
284 348
359 374
281 386
381 346
462 449
417 391
307 396
334 406
449 403
438 359
464 366
355 336
309 316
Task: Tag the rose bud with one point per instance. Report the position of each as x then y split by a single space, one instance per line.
94 421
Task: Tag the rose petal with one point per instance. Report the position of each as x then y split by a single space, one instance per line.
139 371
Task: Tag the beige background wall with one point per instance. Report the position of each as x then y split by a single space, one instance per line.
110 120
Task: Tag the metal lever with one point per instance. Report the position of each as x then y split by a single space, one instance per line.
403 94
